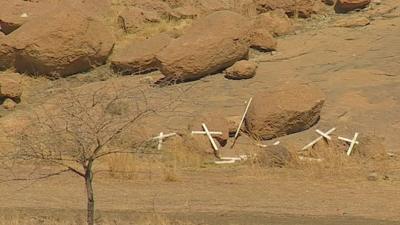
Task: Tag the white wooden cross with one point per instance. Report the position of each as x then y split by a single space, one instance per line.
229 160
161 137
209 135
241 122
322 135
351 141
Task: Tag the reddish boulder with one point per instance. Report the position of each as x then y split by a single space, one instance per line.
14 13
241 70
212 44
61 43
343 6
288 109
276 22
139 56
262 40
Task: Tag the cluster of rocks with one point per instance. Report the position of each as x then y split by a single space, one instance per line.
61 38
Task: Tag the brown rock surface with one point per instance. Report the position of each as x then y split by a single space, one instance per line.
10 88
301 8
139 56
275 22
343 6
352 22
61 43
241 70
262 40
14 13
212 44
133 18
288 109
7 53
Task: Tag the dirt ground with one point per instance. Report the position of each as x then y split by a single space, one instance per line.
357 68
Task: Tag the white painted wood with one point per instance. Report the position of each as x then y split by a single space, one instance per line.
346 140
231 158
351 141
161 138
302 158
210 137
241 121
276 143
323 134
319 138
225 162
211 132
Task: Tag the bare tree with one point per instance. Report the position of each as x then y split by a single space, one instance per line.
72 131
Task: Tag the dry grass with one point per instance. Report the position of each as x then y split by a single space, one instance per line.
176 155
331 160
122 165
152 219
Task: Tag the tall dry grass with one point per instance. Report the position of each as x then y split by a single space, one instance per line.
147 219
177 155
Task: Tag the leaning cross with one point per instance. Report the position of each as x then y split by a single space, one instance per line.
322 135
351 141
161 137
209 135
241 122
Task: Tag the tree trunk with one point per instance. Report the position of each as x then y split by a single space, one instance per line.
90 195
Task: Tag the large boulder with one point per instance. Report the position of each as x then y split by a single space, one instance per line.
276 22
139 57
61 43
285 110
14 13
343 6
212 44
241 70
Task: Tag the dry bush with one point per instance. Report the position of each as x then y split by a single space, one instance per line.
330 159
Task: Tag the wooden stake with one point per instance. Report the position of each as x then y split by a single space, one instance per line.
322 135
210 137
241 122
